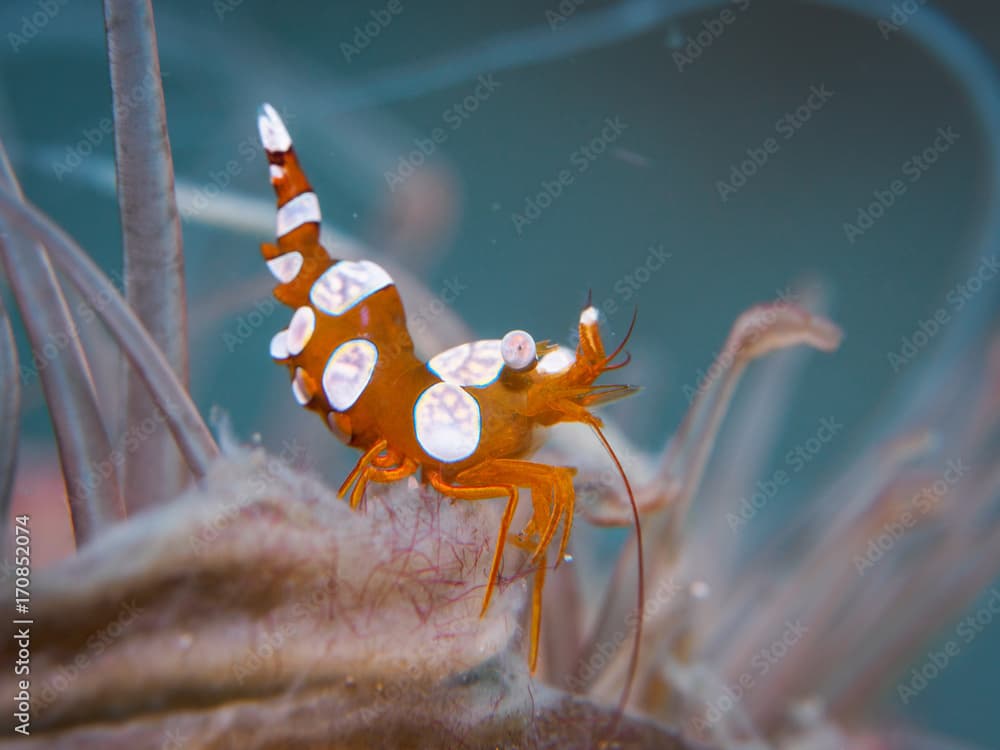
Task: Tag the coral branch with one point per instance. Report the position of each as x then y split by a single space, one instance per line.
174 404
151 233
94 497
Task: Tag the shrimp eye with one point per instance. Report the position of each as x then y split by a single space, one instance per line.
518 350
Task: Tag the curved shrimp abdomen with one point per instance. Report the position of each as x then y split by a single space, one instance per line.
347 340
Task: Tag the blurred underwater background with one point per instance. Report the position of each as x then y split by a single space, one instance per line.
689 159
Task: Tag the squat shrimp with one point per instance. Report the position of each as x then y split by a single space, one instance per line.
468 418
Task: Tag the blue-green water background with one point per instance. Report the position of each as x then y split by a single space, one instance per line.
656 185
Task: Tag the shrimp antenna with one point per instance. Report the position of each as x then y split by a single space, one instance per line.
628 335
633 664
620 365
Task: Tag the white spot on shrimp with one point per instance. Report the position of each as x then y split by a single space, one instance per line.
348 372
273 133
285 267
347 283
589 316
300 330
476 363
277 172
556 361
301 387
279 345
518 350
447 422
300 210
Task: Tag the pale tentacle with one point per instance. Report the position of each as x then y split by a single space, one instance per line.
179 412
151 236
94 499
761 329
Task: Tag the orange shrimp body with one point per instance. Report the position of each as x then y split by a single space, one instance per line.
467 418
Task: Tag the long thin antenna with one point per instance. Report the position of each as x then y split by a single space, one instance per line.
621 345
633 664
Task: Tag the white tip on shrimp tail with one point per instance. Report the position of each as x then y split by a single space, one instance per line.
273 133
